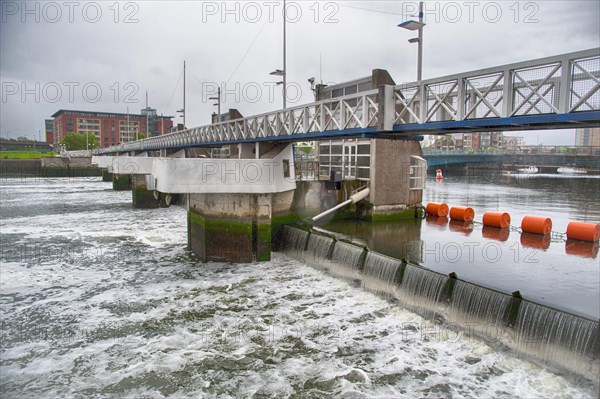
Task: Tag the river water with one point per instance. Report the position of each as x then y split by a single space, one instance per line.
548 270
102 300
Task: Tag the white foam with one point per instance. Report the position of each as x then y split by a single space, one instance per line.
145 319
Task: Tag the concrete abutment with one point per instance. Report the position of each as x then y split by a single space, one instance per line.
142 197
238 206
121 182
230 227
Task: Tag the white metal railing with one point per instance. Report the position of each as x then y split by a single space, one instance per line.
348 112
555 85
560 84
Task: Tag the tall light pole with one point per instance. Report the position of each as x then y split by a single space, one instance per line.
284 59
218 104
418 26
147 130
184 94
283 72
182 110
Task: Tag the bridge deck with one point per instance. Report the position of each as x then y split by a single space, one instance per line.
554 92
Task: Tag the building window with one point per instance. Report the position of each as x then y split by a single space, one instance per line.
286 168
418 173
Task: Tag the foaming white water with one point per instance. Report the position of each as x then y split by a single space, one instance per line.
109 303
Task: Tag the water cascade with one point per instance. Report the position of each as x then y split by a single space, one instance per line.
318 251
294 242
346 261
421 290
382 274
561 340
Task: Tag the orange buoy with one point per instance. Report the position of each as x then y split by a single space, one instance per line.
462 213
583 231
536 241
438 174
496 219
583 249
437 209
495 233
536 224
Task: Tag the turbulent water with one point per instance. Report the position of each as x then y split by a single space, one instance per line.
102 300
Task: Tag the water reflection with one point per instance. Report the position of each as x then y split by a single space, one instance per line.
400 239
582 249
537 241
559 274
458 226
495 233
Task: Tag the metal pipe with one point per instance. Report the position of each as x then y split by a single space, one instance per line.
353 199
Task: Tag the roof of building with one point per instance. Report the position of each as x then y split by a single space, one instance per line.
97 113
349 83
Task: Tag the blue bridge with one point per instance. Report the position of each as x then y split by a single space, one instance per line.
544 158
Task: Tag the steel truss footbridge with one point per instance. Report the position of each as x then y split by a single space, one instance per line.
562 91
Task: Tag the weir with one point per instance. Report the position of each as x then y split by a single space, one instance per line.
564 341
367 132
237 205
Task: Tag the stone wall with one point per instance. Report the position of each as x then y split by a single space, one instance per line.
67 163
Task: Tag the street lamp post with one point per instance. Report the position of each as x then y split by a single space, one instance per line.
283 72
279 72
284 59
218 104
418 26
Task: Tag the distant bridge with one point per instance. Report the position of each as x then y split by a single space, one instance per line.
541 157
555 92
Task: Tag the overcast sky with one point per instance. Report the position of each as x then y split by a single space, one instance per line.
104 56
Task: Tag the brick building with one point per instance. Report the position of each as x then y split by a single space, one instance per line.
588 136
111 128
49 129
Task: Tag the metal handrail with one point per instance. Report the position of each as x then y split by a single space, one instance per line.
561 84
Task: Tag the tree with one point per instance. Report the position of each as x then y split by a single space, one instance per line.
78 141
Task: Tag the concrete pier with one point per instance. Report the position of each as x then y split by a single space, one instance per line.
107 176
142 197
238 205
391 193
231 201
121 182
230 227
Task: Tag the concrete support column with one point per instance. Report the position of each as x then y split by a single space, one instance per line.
391 196
230 227
121 182
107 176
142 197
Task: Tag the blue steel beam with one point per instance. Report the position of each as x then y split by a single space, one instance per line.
532 122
